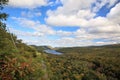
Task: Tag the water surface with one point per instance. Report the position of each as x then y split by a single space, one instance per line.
52 51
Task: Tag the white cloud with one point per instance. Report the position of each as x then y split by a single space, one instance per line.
73 13
39 29
30 14
67 41
26 22
20 33
112 2
27 3
64 33
100 3
87 40
54 3
35 25
91 27
65 20
114 14
75 5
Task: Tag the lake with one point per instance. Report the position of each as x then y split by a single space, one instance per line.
52 51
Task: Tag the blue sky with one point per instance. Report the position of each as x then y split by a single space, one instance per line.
65 23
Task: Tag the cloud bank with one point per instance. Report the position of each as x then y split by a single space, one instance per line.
93 29
27 3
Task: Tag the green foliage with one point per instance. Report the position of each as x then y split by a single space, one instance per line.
39 48
86 63
21 63
6 44
3 3
3 16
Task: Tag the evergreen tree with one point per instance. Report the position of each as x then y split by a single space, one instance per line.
3 16
6 44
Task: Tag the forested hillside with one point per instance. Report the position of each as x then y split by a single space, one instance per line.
20 62
86 63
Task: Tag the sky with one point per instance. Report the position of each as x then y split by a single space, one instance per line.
65 23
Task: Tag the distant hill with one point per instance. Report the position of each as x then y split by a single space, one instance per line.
106 46
112 46
87 49
74 49
42 48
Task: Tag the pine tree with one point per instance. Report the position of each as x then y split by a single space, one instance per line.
3 16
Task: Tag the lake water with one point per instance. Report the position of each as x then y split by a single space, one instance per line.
52 51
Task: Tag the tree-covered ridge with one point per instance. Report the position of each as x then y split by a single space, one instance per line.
20 62
86 63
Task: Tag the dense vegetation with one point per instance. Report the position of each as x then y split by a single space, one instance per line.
41 48
86 63
20 62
